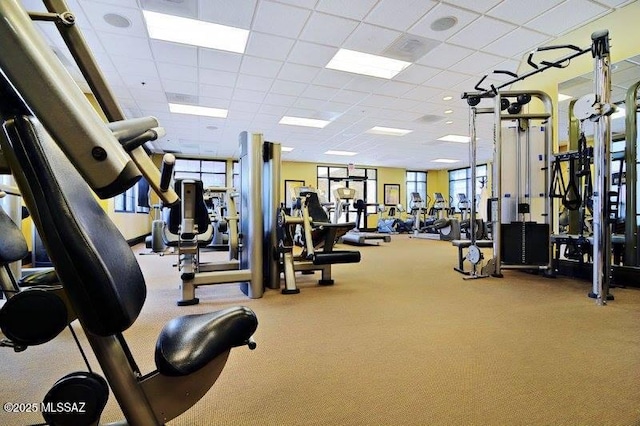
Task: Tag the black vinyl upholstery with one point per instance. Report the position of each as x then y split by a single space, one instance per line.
317 213
95 264
188 343
13 246
201 212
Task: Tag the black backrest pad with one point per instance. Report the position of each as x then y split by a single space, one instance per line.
94 262
13 246
317 213
201 212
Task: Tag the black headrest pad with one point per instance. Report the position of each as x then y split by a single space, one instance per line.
13 246
95 264
317 213
201 212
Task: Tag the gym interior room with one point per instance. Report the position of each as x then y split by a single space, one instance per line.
319 212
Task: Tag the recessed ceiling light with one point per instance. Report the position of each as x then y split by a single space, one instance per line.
449 111
287 149
455 138
300 121
389 131
198 33
562 97
448 122
444 160
198 110
444 23
346 153
366 64
116 20
447 98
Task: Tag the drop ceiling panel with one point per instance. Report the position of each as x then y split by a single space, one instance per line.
95 14
416 74
481 32
219 60
228 12
566 16
268 46
422 93
516 43
370 39
213 91
389 14
280 100
319 92
217 78
180 86
175 53
327 29
349 96
124 45
446 79
519 12
423 26
260 67
480 6
444 56
279 19
477 63
305 53
362 83
177 72
298 73
290 88
252 82
347 8
332 78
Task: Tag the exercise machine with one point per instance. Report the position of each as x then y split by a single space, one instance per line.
356 236
59 160
317 237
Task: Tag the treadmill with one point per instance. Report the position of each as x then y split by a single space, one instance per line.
356 236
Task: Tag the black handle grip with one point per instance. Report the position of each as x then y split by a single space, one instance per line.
166 172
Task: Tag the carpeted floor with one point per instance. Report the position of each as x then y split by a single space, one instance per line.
400 339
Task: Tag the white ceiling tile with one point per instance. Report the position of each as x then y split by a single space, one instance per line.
477 63
416 74
180 86
349 8
216 77
299 73
370 39
447 79
219 60
327 29
349 96
244 95
244 106
212 91
272 110
362 83
311 54
445 56
280 100
268 46
228 12
290 88
519 12
144 94
319 92
423 26
125 45
214 103
615 3
253 82
177 72
332 78
136 67
566 16
308 103
394 88
399 15
240 115
516 42
422 93
377 101
260 66
480 6
309 4
279 19
174 53
95 14
338 107
481 32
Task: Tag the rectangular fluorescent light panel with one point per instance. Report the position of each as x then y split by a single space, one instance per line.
445 160
389 131
562 97
197 33
345 153
455 138
366 64
300 121
198 110
286 149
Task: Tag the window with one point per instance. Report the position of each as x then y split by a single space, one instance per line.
210 172
460 182
363 180
134 199
236 175
416 182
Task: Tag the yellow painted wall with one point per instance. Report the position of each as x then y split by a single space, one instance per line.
438 181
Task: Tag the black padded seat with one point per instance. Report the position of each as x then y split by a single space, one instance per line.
188 343
41 278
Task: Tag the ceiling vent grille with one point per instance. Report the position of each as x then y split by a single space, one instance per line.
410 47
182 98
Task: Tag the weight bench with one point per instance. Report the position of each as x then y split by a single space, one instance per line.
462 244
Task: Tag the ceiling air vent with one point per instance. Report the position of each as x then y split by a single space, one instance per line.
182 98
409 47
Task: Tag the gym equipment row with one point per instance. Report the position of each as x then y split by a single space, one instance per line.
59 150
357 236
